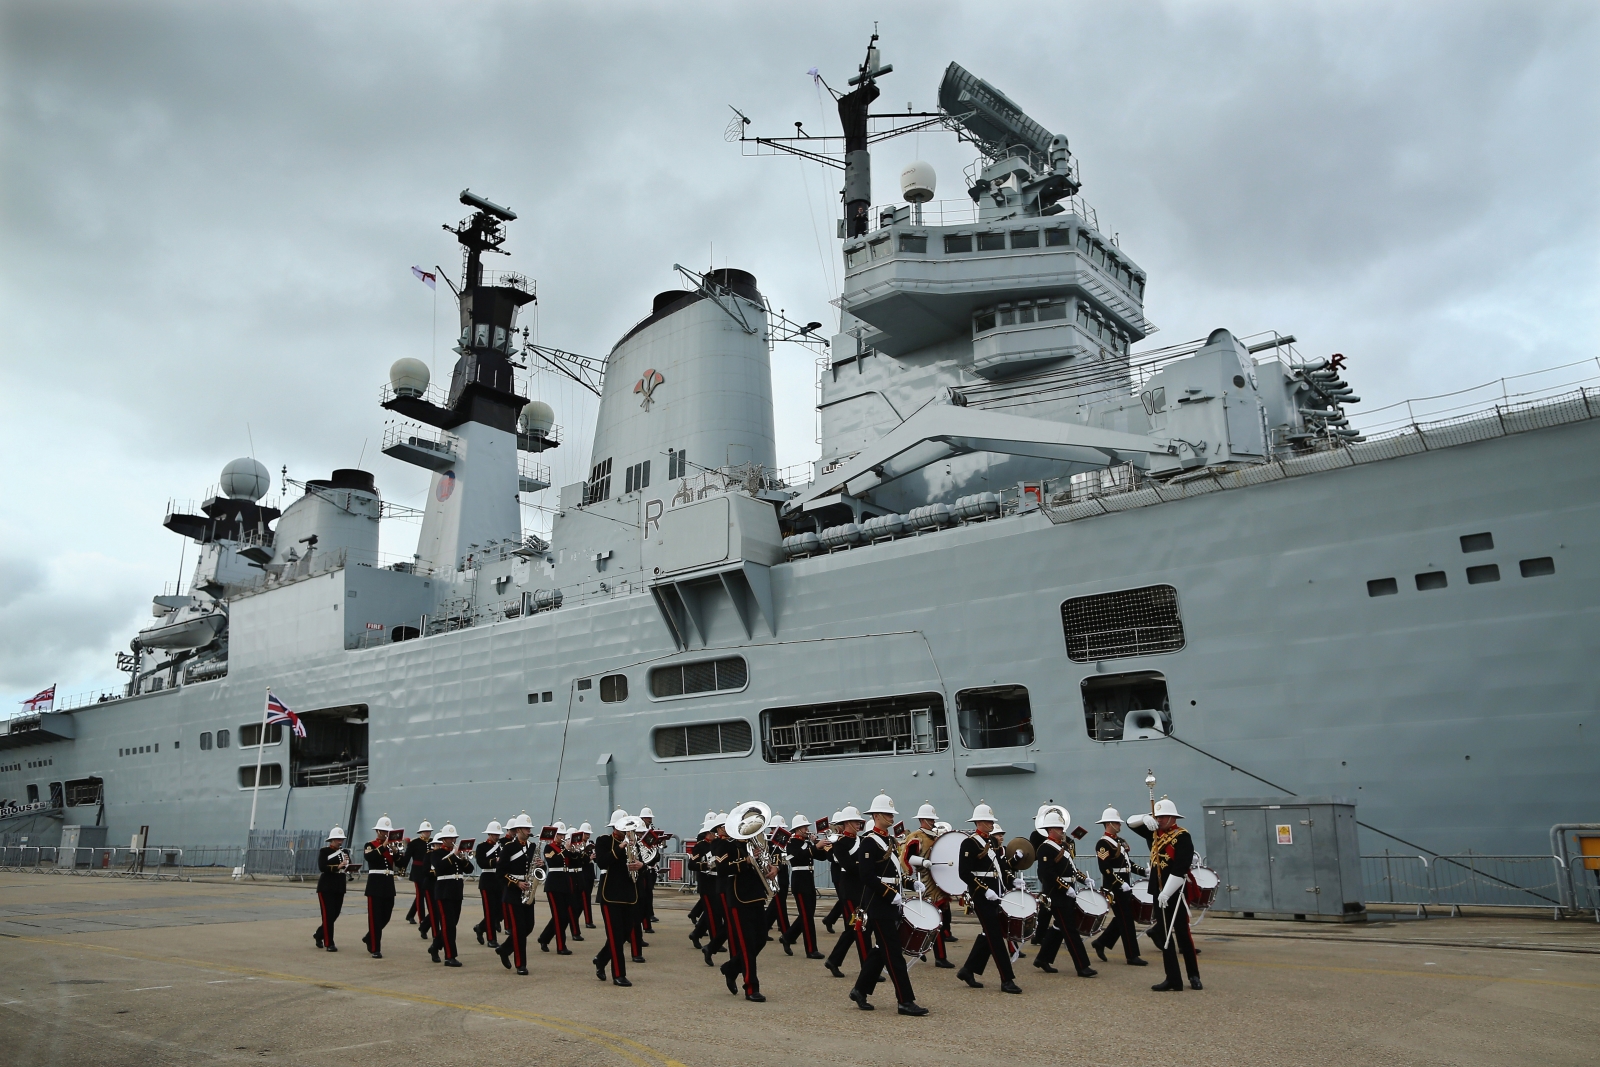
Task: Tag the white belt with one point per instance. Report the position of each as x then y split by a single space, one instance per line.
889 881
449 877
800 868
380 872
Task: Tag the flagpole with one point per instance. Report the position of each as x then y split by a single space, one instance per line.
261 748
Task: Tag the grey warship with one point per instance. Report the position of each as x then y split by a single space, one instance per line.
1031 561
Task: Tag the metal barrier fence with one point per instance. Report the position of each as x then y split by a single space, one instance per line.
1470 879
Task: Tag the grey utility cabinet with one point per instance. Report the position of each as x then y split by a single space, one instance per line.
1285 858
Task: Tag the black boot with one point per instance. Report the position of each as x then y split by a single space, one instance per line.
861 1000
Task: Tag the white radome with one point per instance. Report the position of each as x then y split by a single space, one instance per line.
917 182
409 377
245 479
537 417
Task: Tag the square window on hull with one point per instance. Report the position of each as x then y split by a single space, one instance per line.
1432 580
1128 622
731 738
1383 587
881 726
1537 568
996 716
1120 707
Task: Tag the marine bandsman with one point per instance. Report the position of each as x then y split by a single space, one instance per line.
778 909
581 845
619 896
801 853
847 883
1117 872
417 871
825 845
746 892
914 855
333 859
1171 856
982 867
449 868
490 889
878 873
515 864
710 922
557 891
382 861
648 875
1061 883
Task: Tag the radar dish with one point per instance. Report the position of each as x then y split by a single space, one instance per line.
993 122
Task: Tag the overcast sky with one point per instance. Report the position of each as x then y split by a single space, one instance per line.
210 212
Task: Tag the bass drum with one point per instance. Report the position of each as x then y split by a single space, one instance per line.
944 863
1020 913
1092 910
919 927
1144 907
1201 890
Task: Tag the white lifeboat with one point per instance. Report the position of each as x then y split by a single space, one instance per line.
184 622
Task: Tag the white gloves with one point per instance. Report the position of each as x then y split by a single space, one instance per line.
918 861
1124 888
990 894
1143 821
1019 882
1170 888
898 900
1017 853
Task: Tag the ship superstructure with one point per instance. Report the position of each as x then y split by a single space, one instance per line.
1029 562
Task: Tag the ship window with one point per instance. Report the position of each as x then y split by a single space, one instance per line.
585 683
598 487
1138 288
913 242
222 739
1024 238
1536 568
271 776
996 716
677 463
500 338
33 794
1024 313
533 698
1099 256
81 791
1008 316
992 242
250 736
1084 319
704 676
854 257
1084 244
1383 587
548 696
882 726
702 739
957 242
983 320
1129 622
1053 310
1489 572
880 248
614 688
480 334
1057 236
205 741
1432 580
638 477
1126 706
1477 542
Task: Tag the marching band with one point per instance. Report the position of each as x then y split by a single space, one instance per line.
895 891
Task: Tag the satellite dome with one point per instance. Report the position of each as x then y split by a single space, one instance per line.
245 479
917 182
537 418
409 377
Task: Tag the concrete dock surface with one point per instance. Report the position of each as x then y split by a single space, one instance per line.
106 970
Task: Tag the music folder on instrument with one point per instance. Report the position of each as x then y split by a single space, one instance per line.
547 834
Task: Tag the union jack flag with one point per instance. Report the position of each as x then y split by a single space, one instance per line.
278 712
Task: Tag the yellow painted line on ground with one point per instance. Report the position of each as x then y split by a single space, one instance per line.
1403 974
622 1046
24 916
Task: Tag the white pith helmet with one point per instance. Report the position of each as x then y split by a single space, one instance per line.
520 822
448 833
777 823
799 822
336 834
383 823
1167 807
585 829
708 822
838 817
926 811
882 805
849 814
646 813
424 827
561 827
983 813
618 817
1110 815
493 828
1051 820
1038 820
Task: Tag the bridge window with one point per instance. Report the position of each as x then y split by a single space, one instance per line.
1058 235
983 321
854 257
881 726
705 676
957 242
1084 243
913 242
700 740
997 716
1052 310
1118 707
881 248
1129 622
992 242
1024 238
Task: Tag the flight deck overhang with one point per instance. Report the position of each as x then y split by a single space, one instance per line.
41 730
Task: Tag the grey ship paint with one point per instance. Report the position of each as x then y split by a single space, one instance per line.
1028 564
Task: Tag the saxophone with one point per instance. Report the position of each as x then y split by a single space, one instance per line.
631 849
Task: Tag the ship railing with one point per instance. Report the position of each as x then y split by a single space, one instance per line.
1127 641
1472 879
965 212
330 774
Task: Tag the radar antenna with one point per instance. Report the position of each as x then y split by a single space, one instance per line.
587 372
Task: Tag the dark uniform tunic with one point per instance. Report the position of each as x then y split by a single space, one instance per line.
878 873
383 864
1057 874
516 860
1117 873
448 869
619 895
489 889
558 891
981 867
330 892
778 909
803 884
847 883
747 904
1171 855
417 872
708 921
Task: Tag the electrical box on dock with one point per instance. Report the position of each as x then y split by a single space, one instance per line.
1285 858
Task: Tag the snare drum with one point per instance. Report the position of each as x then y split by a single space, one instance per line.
1092 909
1144 907
1019 912
1201 890
919 927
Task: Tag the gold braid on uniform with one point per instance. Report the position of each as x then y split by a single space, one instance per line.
1158 850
